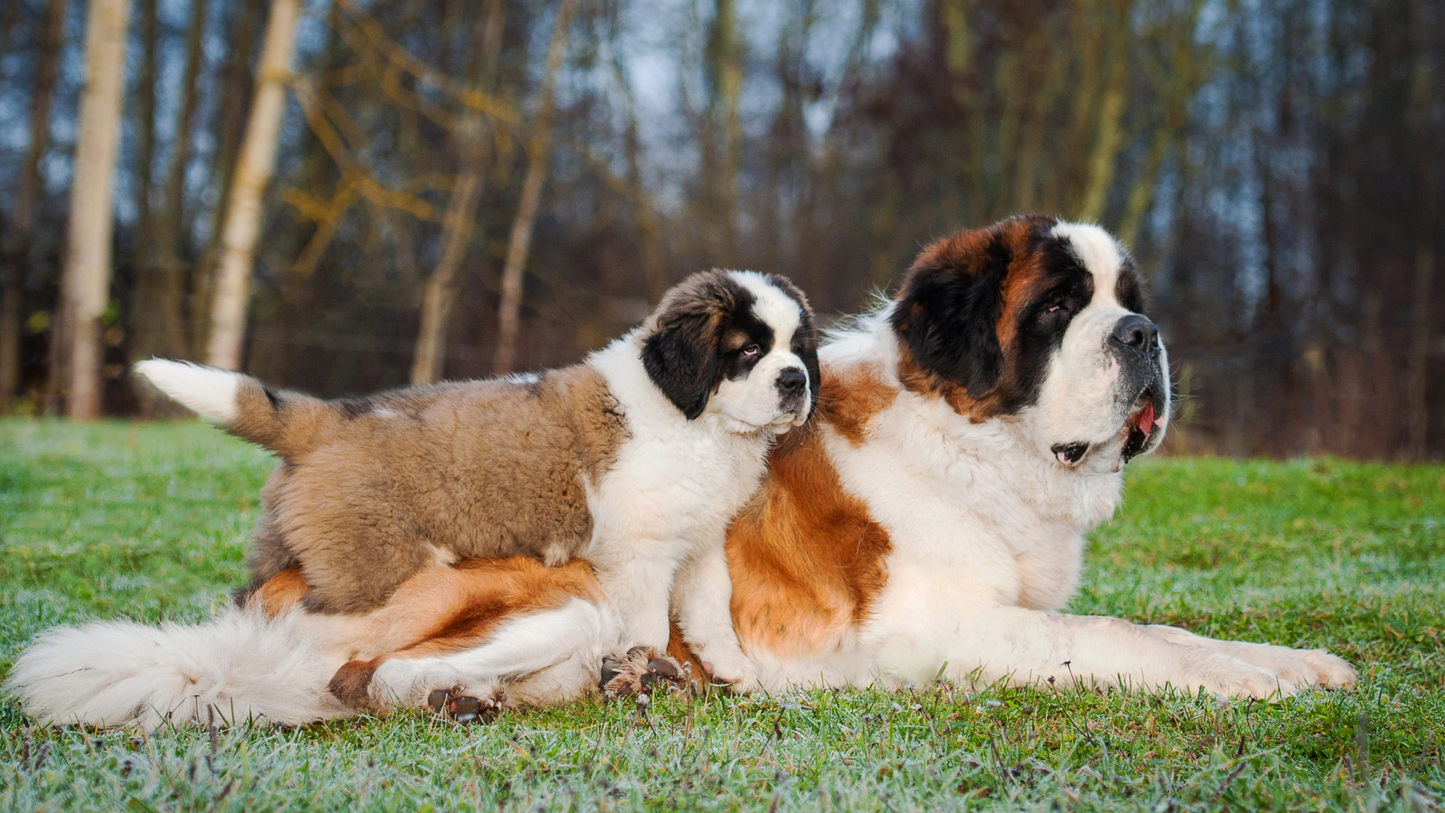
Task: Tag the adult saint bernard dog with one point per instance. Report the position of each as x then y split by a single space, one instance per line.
636 460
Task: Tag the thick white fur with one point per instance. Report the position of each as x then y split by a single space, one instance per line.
666 501
661 512
119 673
208 391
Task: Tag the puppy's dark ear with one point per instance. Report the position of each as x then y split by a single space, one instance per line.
681 353
948 310
806 341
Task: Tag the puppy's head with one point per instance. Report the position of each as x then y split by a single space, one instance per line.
736 343
1042 320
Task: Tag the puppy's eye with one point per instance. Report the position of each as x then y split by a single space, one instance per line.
750 352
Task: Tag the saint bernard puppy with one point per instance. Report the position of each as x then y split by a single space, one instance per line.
636 459
929 522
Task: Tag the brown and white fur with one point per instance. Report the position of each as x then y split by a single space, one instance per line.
928 522
635 460
931 520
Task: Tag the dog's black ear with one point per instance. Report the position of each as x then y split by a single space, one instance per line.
681 353
948 310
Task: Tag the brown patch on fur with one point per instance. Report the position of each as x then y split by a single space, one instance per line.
916 379
352 683
450 609
852 397
281 594
678 650
806 558
374 490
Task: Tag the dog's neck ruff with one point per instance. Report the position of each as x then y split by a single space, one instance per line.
952 447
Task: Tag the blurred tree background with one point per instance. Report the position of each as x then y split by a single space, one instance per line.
467 186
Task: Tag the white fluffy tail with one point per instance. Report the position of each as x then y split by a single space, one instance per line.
122 674
209 391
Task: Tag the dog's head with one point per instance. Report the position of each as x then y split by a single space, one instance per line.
736 343
1044 321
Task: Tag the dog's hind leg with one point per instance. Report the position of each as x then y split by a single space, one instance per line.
544 657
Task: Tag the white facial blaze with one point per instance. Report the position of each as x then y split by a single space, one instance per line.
1085 396
755 401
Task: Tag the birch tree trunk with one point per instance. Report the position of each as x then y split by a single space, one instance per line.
472 144
510 310
17 253
253 173
233 86
86 285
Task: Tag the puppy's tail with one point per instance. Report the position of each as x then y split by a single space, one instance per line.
243 665
288 423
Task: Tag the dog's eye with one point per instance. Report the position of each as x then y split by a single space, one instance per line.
750 352
1055 309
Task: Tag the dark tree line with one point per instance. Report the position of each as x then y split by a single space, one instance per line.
1275 166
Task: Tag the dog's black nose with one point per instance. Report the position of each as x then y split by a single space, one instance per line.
1137 332
792 381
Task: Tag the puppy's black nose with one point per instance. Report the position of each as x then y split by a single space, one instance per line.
1136 332
792 381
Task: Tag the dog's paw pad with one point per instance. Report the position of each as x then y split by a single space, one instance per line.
642 671
464 708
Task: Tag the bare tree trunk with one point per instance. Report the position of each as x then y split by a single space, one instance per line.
457 223
143 322
233 86
170 225
17 253
253 173
510 311
1417 365
85 287
725 64
1417 362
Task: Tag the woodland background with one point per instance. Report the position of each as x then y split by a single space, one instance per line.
466 186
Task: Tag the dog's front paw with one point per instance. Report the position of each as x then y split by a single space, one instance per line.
1322 669
737 674
456 704
1228 676
642 671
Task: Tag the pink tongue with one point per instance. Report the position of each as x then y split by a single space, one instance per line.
1146 418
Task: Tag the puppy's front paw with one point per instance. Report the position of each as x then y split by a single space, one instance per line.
454 704
642 671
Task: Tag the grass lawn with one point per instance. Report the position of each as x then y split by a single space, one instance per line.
149 521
